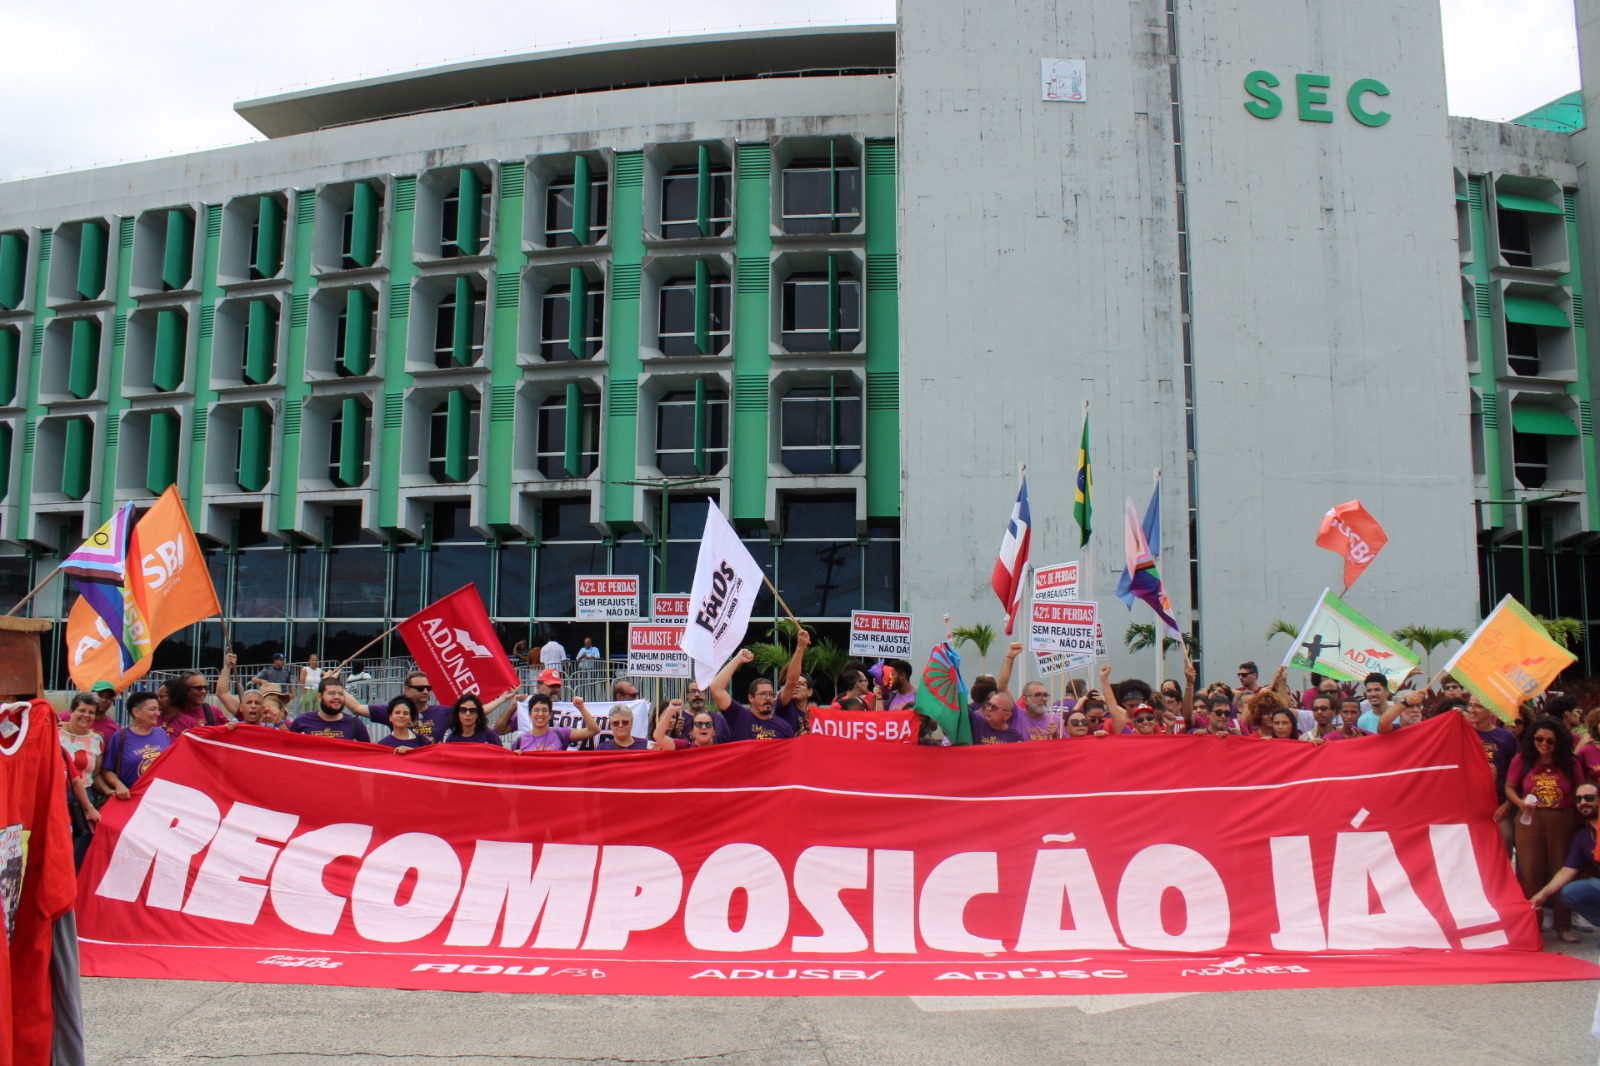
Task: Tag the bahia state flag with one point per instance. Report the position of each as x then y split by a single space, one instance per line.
942 697
1008 568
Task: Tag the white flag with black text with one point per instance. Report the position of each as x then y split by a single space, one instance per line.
726 581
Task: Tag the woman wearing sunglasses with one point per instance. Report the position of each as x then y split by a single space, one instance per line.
1540 783
467 725
702 731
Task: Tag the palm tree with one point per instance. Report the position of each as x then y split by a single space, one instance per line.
1283 626
1140 636
1564 631
980 636
825 659
1427 638
774 655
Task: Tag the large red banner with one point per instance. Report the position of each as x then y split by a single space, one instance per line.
815 866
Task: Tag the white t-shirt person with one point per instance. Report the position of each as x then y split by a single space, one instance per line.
552 655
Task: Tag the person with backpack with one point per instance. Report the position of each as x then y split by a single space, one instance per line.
134 748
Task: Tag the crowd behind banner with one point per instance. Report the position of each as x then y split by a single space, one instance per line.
1545 762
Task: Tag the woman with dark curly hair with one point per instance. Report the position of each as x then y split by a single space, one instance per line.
1540 783
467 725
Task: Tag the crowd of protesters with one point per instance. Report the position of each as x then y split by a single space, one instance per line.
1546 763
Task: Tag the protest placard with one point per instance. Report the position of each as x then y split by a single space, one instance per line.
670 607
1064 627
653 650
880 636
1056 584
608 598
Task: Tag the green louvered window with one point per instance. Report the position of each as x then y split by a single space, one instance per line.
348 444
362 226
458 326
161 466
5 460
821 427
83 368
577 205
1532 311
266 239
356 332
1522 202
697 198
453 438
177 260
77 457
255 448
92 242
822 193
10 359
821 310
462 224
695 313
260 355
692 430
561 318
569 434
1546 421
13 269
172 340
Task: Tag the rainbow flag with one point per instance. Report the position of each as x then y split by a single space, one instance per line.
1144 580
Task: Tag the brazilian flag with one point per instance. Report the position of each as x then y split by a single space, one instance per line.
1083 504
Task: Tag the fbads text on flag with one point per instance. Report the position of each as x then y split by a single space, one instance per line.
1338 642
726 581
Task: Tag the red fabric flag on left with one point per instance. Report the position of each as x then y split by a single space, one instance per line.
455 644
1349 530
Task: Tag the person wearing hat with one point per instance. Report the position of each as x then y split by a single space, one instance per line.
277 674
105 694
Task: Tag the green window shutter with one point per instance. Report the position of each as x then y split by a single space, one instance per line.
457 426
701 424
578 314
92 259
269 237
572 445
177 264
261 338
468 231
1519 202
171 339
364 224
461 339
702 207
255 448
1532 311
358 312
833 423
13 269
76 457
582 190
702 307
84 368
161 468
10 359
833 303
5 460
1546 421
352 440
833 187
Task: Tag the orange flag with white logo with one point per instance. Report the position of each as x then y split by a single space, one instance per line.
1510 659
167 580
1349 530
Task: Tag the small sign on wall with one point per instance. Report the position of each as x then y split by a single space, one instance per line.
1063 81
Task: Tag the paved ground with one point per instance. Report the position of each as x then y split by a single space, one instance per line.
155 1023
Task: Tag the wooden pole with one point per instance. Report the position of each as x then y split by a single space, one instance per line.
340 668
34 592
779 598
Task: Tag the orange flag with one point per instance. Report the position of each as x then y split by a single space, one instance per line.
168 582
1509 659
1349 530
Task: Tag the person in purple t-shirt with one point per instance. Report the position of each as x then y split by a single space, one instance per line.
992 723
1500 746
430 720
329 719
402 738
794 699
621 737
897 690
702 729
469 723
757 721
543 736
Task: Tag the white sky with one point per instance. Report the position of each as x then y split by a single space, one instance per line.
100 81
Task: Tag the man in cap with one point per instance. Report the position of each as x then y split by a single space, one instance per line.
277 674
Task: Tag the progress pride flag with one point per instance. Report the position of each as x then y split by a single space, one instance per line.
1021 868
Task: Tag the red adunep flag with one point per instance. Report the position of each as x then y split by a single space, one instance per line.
455 644
1349 530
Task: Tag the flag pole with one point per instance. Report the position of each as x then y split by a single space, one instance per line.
779 598
1161 639
340 668
34 592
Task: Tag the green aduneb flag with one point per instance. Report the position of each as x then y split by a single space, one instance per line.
1338 642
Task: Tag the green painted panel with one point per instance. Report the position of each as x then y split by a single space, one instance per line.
364 223
1532 311
261 340
461 338
161 467
881 311
469 221
295 385
76 457
92 243
177 263
172 336
386 459
204 395
13 269
1518 202
582 193
701 425
752 360
505 372
5 460
358 312
352 440
702 307
269 238
10 359
255 448
702 207
578 313
572 442
83 371
1546 421
456 443
622 383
